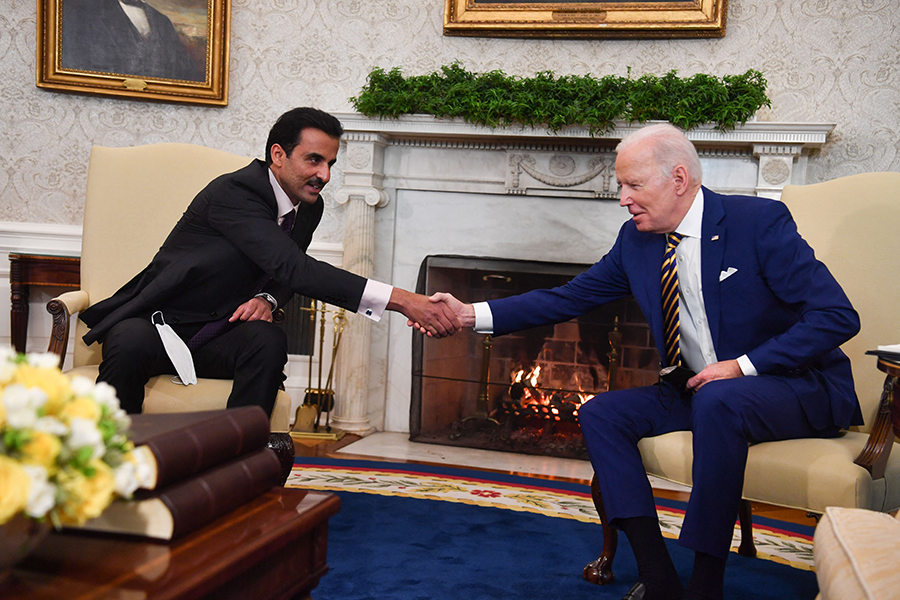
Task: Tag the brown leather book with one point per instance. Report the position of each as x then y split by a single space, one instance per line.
179 445
184 507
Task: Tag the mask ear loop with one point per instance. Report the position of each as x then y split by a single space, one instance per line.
177 350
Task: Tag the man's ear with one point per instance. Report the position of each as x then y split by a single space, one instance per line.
278 155
682 179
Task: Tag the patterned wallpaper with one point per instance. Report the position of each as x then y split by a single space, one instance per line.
825 60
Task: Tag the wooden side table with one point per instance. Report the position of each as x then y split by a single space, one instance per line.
892 389
26 270
272 548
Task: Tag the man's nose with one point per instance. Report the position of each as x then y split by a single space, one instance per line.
324 173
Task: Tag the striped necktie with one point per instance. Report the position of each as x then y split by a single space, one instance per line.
670 301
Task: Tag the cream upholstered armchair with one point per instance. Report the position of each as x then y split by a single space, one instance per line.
853 224
134 197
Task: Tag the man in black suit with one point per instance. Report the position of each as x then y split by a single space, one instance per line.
235 256
127 37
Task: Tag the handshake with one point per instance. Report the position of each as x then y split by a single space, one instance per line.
439 315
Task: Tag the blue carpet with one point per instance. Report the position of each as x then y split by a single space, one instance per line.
388 547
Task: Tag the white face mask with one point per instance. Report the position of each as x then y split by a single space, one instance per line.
177 350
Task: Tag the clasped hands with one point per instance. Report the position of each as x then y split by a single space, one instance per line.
440 315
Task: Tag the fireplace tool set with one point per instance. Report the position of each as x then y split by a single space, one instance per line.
320 399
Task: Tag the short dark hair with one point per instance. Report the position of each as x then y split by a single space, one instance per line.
287 129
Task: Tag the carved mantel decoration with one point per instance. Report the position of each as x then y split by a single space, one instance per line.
428 158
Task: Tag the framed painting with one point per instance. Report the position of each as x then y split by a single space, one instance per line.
171 50
600 19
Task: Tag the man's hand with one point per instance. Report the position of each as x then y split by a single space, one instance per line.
727 369
254 309
464 312
434 319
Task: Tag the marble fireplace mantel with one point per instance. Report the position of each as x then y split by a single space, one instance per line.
418 166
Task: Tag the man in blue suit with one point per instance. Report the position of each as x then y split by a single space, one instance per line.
756 317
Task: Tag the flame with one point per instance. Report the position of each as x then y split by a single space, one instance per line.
532 395
534 375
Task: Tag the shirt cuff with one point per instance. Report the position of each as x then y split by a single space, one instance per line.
484 318
374 299
746 366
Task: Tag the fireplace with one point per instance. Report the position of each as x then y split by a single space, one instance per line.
520 392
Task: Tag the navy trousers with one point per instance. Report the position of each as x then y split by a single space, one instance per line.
724 416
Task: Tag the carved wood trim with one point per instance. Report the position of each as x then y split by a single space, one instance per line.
875 454
59 335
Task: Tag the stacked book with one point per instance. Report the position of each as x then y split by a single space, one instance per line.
887 353
202 465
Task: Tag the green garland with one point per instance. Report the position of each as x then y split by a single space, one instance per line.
496 99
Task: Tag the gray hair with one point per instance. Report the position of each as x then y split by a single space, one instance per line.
670 149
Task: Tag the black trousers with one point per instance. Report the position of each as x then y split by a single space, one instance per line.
253 354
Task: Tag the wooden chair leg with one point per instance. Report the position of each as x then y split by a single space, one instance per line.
745 515
600 571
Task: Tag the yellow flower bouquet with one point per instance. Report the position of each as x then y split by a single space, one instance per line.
64 447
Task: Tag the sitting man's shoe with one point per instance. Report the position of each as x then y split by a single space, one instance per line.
636 592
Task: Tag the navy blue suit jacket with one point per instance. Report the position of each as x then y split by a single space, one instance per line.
782 307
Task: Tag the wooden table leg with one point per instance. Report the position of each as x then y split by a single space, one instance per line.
18 318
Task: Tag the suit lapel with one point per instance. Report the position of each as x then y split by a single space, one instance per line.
712 251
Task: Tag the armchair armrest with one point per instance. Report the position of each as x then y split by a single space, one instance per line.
875 454
62 308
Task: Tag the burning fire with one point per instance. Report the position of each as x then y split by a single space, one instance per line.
551 404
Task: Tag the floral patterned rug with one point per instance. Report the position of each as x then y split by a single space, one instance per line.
785 543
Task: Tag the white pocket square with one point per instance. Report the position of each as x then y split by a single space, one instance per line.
727 273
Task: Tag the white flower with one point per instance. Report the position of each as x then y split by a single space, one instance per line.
84 433
105 394
22 405
7 371
41 494
121 419
44 360
51 425
126 479
82 386
7 354
146 468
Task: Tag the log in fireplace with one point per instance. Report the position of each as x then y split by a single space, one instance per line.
520 392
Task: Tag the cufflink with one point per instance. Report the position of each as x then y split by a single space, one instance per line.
368 312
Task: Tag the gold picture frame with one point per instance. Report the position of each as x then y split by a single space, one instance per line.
601 19
168 50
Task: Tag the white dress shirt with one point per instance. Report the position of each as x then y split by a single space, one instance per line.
138 18
376 295
697 350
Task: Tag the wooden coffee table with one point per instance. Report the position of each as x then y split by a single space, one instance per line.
271 548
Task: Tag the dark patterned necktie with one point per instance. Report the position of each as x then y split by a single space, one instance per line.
214 329
287 224
670 301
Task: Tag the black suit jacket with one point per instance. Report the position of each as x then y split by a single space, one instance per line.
224 248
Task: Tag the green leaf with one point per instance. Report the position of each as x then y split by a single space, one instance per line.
495 99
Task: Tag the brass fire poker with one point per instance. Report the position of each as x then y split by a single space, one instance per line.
319 399
482 404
